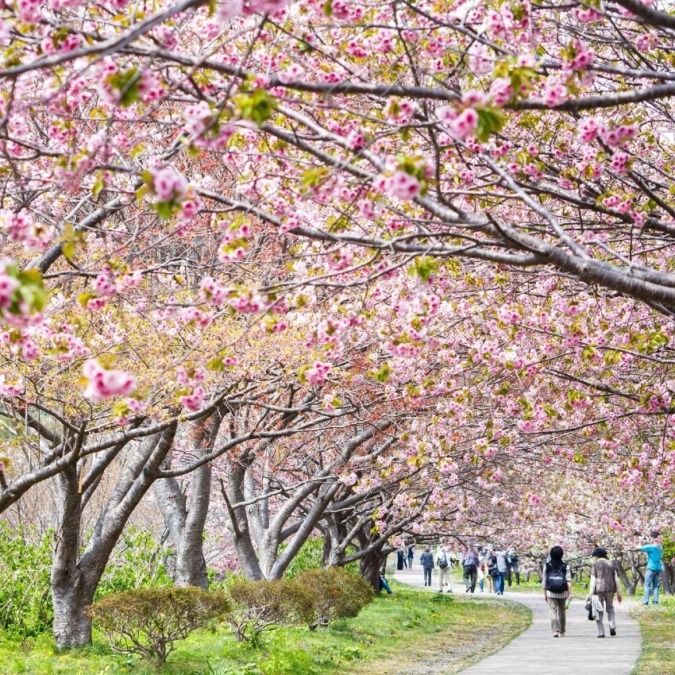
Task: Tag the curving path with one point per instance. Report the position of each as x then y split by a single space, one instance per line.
536 651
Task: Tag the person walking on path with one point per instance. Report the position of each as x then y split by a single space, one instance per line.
654 552
501 571
513 565
427 562
604 584
470 569
481 574
400 559
411 555
557 583
492 572
443 561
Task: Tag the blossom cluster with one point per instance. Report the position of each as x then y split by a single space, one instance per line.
103 383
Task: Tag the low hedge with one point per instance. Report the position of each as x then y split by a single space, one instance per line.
148 622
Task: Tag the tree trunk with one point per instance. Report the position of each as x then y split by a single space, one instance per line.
71 626
622 575
369 567
232 491
666 576
75 577
190 561
185 519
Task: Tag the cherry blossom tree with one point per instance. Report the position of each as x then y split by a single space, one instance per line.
434 238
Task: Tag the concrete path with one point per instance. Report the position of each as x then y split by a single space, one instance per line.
536 651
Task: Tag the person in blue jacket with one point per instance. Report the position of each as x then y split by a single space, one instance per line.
654 552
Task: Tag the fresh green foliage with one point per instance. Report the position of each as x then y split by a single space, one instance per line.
135 563
322 596
30 291
25 566
309 557
257 105
25 599
148 622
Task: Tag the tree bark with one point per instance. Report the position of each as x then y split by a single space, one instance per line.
369 567
233 493
185 519
70 594
622 575
667 576
75 578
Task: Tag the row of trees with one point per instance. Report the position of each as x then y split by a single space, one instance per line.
371 272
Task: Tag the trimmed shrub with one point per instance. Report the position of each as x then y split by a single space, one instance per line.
258 606
321 596
148 622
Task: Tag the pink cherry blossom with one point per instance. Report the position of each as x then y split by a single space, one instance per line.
104 383
465 124
168 184
403 186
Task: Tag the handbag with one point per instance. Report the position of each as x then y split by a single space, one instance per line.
588 606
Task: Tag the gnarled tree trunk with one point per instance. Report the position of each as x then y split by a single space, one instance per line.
185 517
75 578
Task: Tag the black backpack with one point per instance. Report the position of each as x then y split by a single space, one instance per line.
556 581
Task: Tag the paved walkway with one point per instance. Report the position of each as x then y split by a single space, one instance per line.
535 651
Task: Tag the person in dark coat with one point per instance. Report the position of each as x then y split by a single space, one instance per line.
400 559
427 562
411 555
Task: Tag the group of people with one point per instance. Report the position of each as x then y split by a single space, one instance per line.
603 587
405 557
481 567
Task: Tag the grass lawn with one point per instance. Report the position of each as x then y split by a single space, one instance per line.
410 627
658 638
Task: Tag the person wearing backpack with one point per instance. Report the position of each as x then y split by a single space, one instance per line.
443 561
557 583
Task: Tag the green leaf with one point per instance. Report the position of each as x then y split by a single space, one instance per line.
490 121
164 210
97 187
383 373
257 106
216 365
424 267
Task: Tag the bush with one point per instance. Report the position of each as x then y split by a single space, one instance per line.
321 596
148 622
25 593
258 606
